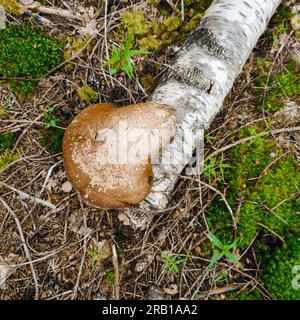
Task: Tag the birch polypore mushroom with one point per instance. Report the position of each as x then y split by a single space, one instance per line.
108 151
197 83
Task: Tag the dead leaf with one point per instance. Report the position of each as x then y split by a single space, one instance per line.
143 263
66 187
172 290
124 218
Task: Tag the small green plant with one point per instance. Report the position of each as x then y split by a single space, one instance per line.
51 119
172 263
280 29
110 276
52 135
210 168
258 140
221 250
120 239
122 58
223 276
209 138
94 257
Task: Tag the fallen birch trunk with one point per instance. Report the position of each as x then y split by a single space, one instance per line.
196 85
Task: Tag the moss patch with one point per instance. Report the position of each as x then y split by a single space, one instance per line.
7 141
10 6
88 94
260 190
265 194
279 87
278 275
167 27
27 53
6 158
246 295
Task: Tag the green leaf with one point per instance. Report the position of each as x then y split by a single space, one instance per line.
216 256
231 257
215 240
113 71
114 59
114 49
232 245
128 70
137 52
129 41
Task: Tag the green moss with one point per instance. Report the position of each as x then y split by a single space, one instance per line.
282 14
7 140
27 53
260 192
278 274
172 23
10 6
74 46
193 22
281 85
264 193
135 21
148 82
149 43
246 295
196 4
87 93
6 158
3 112
154 33
153 3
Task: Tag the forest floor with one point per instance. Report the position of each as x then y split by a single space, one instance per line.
58 248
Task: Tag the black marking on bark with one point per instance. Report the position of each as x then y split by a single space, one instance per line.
191 76
242 14
204 37
248 4
258 15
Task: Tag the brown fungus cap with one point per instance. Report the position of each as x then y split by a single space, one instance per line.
108 151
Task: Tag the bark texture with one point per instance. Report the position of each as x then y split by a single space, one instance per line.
196 85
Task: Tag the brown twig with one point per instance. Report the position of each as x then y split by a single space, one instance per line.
24 244
116 267
241 141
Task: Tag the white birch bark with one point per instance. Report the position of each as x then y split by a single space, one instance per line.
196 85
